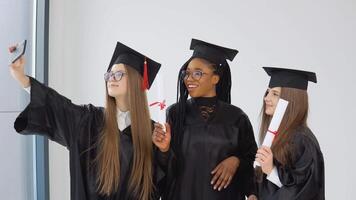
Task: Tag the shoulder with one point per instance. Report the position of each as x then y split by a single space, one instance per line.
172 108
303 141
303 134
231 109
92 113
233 112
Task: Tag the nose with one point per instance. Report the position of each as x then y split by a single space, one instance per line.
111 78
267 97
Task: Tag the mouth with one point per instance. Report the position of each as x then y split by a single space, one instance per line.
191 87
113 85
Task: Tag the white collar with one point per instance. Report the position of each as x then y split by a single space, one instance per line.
123 119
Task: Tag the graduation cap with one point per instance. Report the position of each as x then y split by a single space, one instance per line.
217 55
211 52
292 78
147 67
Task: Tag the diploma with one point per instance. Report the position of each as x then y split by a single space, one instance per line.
274 125
159 106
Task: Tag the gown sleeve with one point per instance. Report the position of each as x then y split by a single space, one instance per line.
51 114
246 152
301 179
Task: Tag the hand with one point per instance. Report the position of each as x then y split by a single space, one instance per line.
17 70
161 138
252 197
224 172
264 156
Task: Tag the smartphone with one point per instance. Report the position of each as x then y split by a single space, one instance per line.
18 51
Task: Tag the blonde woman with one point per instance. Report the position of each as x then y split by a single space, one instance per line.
110 149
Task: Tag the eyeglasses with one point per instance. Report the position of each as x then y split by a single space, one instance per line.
196 75
117 76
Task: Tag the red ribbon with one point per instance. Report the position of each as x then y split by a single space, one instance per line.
162 104
273 132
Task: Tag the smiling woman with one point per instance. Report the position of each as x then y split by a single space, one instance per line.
213 145
293 168
200 78
110 148
271 99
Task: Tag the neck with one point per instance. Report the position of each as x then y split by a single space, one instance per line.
121 104
212 93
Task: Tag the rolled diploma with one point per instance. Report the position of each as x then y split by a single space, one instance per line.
160 94
274 125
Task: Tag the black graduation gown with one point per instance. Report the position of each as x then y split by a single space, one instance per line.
303 179
78 128
205 144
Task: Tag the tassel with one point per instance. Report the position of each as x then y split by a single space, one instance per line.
145 76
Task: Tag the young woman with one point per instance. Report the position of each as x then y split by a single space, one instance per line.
111 150
213 147
293 168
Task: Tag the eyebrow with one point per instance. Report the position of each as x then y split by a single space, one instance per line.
195 69
119 70
274 91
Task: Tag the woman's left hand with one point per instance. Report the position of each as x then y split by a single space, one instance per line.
224 172
264 156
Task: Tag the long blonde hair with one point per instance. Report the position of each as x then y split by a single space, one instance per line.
108 158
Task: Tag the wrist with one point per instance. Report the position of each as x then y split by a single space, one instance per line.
23 80
164 150
269 171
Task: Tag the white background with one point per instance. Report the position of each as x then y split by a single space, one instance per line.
310 35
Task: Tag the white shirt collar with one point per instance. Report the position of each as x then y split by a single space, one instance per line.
123 119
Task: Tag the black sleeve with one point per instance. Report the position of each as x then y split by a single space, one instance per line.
246 152
304 177
51 115
299 170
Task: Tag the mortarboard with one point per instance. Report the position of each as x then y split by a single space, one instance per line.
292 78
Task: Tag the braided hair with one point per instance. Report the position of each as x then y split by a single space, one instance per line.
223 89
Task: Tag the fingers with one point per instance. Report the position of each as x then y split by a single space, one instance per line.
264 153
221 181
259 160
158 126
228 181
261 157
168 129
217 173
216 178
12 49
216 169
158 131
267 149
158 136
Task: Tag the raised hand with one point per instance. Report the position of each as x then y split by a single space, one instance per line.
17 70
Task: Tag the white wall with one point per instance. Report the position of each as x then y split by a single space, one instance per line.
311 35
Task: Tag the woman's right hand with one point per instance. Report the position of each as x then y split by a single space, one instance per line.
161 138
17 70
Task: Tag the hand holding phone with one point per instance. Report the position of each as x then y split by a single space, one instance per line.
18 51
18 63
